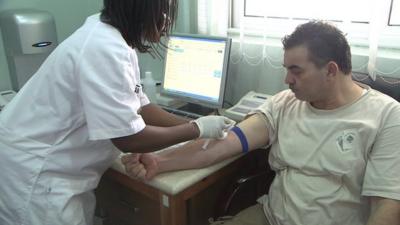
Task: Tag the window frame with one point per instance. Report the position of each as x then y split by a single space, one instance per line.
392 4
357 32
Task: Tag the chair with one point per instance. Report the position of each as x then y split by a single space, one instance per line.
386 85
245 190
232 200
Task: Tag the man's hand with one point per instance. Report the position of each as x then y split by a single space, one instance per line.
213 126
140 166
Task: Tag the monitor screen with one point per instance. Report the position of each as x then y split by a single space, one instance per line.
195 69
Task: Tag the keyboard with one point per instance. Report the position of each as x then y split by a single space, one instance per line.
181 113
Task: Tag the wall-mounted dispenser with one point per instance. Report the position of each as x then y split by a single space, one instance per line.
29 36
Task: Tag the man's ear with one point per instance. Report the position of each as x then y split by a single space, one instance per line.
331 69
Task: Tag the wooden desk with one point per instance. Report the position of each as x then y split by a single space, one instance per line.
163 201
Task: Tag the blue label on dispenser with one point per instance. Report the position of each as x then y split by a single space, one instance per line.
42 44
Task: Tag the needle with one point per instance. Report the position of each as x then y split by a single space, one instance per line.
204 147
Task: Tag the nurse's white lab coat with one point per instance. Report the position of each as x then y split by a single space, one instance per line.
54 136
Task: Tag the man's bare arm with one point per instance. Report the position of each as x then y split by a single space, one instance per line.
193 155
384 211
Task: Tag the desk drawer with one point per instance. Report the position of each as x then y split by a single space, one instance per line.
122 206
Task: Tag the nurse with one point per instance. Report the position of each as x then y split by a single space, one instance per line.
63 129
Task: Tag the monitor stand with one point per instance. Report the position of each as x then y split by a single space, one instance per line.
196 109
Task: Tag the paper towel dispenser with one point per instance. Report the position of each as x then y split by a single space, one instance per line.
29 35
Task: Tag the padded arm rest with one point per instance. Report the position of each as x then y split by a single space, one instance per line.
387 85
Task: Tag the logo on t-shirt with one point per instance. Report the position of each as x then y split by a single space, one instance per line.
345 141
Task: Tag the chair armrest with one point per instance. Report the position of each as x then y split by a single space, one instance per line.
243 180
263 177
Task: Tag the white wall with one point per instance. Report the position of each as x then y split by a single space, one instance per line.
68 14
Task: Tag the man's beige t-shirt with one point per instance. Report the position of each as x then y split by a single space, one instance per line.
328 161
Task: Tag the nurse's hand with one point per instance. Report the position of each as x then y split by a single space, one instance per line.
140 166
213 126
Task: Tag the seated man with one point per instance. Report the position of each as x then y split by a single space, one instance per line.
334 142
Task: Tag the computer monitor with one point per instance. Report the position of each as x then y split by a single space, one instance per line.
195 70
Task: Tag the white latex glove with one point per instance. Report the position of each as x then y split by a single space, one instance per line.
213 126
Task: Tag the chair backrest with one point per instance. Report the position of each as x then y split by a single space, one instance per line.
386 85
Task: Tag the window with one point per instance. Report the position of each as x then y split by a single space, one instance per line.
394 18
307 9
277 18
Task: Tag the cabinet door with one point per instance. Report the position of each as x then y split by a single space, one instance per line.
121 206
